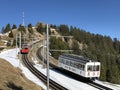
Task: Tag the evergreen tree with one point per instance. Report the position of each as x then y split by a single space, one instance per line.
14 26
7 28
108 75
57 44
75 47
30 29
64 30
22 28
53 26
116 45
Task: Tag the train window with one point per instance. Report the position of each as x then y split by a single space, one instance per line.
64 61
80 66
89 68
97 68
67 62
83 67
70 63
94 68
76 65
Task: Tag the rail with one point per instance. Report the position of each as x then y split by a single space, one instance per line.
29 65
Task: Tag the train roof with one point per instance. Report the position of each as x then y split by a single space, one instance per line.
76 58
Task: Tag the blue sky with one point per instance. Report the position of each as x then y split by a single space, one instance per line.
95 16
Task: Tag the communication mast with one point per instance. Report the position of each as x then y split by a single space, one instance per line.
23 24
23 19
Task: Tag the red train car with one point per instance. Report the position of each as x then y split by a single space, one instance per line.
25 49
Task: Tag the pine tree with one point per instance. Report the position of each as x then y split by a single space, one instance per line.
14 26
75 47
108 75
7 29
64 30
22 28
30 29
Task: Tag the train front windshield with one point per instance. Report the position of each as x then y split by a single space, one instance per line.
93 68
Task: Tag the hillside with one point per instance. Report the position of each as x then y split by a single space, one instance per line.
11 78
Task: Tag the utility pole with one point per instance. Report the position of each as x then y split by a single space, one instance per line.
43 53
16 44
23 19
47 58
19 48
20 41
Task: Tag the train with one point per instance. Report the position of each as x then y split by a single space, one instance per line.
80 65
25 49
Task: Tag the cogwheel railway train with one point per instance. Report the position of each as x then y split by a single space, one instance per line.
25 49
79 65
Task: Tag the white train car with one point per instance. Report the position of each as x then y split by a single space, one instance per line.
79 65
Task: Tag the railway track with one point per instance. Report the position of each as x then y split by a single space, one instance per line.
29 65
39 55
91 83
100 87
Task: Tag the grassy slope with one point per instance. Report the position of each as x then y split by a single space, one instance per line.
12 79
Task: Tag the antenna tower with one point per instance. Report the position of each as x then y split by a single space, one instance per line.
23 19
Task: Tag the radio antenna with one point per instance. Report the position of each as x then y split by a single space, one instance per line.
23 20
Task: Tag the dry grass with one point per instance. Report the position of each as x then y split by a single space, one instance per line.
12 79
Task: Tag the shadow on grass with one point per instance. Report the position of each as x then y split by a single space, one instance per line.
13 86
